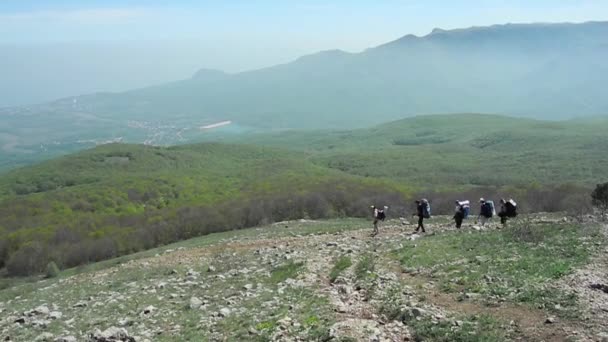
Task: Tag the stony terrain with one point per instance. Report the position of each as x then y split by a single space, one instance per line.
332 281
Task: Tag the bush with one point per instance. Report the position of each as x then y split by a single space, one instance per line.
3 252
52 270
599 197
29 259
577 205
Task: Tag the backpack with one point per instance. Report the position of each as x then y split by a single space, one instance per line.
381 215
491 203
426 209
511 208
465 208
487 210
465 211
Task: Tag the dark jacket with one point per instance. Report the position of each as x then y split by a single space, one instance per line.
420 210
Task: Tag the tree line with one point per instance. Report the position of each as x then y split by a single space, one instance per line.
91 238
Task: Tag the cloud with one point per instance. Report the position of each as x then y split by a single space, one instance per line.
78 16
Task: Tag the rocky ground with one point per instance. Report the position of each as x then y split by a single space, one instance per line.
331 281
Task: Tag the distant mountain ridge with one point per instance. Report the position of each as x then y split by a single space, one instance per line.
531 70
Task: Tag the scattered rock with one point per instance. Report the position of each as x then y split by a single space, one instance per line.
418 312
471 295
66 339
46 336
112 334
192 273
55 315
80 304
551 320
40 323
41 310
148 310
195 303
224 312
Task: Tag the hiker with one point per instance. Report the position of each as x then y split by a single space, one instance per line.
420 212
508 209
461 212
379 215
486 211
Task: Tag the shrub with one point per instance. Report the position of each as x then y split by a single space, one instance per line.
3 252
29 259
599 197
577 205
52 270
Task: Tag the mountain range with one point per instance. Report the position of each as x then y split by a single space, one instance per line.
544 71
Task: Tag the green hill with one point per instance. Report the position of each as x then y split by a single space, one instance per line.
116 199
446 151
119 198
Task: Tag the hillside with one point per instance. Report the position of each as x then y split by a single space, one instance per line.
536 70
117 199
443 151
330 281
120 198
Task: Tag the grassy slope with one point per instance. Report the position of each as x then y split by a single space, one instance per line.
448 264
465 149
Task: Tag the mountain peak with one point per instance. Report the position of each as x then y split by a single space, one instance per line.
437 30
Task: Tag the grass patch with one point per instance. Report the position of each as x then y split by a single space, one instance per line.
284 272
365 267
313 313
341 264
470 329
393 306
515 264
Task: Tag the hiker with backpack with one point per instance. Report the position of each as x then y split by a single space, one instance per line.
423 210
379 215
461 212
508 209
486 211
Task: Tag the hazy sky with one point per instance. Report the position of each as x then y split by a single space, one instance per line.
50 49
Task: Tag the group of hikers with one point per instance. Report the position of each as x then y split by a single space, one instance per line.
508 209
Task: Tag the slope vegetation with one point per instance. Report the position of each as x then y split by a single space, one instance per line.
117 199
460 150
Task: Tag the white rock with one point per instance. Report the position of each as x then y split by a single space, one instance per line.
224 312
148 310
113 333
55 315
80 304
195 303
46 336
66 339
42 310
